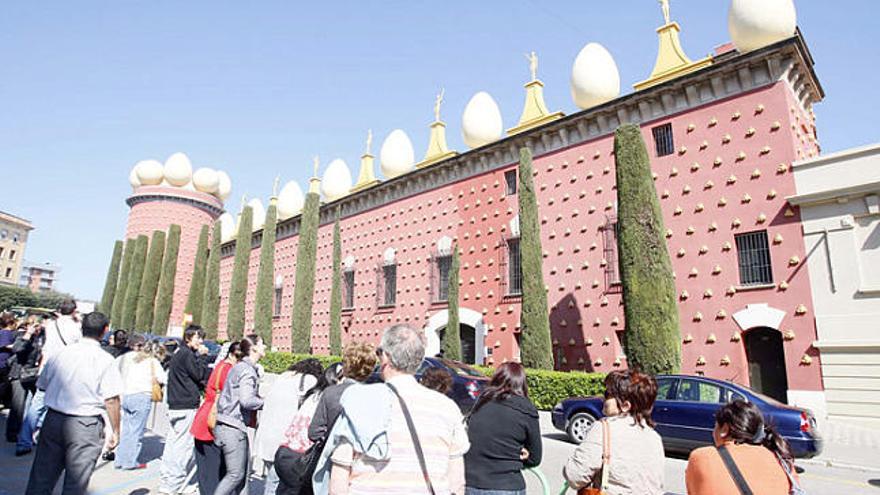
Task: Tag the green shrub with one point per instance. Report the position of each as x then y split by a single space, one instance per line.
122 284
336 293
546 388
304 285
15 296
211 300
451 341
165 293
263 301
197 283
146 303
238 286
106 305
129 308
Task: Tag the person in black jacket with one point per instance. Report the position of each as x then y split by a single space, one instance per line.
28 352
504 433
188 372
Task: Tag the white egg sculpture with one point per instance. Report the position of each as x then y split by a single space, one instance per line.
224 185
397 156
594 77
259 213
149 172
755 24
481 121
206 180
133 178
178 169
290 200
337 180
227 227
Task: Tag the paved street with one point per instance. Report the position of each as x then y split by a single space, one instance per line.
817 477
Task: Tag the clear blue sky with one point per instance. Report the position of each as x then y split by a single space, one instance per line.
257 88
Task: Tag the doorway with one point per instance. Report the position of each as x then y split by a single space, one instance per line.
468 342
766 360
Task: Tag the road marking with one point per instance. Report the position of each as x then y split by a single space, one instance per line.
860 484
120 486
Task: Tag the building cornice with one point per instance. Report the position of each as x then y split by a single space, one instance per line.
786 61
202 201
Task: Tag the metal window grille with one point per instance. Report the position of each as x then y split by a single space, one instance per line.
753 254
510 179
514 268
277 305
610 233
443 266
663 140
348 289
389 275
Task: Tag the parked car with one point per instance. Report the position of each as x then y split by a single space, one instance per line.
467 382
685 414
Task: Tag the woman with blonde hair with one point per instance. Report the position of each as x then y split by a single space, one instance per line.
139 370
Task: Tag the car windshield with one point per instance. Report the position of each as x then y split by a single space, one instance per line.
462 369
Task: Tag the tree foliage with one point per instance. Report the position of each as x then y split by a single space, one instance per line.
122 285
304 290
197 283
649 296
263 302
138 261
112 279
150 283
165 295
536 346
238 286
11 296
211 300
451 344
336 293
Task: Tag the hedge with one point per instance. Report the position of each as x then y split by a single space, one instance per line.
146 302
546 388
165 292
197 282
211 299
240 266
106 305
265 297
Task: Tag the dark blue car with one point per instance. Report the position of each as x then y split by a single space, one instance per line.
685 414
467 382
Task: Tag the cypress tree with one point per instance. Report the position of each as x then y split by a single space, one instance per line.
238 286
211 300
649 297
197 284
122 285
303 292
266 277
166 282
149 283
451 344
112 278
336 293
134 283
536 347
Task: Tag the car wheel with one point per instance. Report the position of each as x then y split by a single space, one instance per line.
579 425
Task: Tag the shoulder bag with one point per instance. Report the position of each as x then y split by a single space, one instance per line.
156 392
734 471
606 462
212 413
415 438
794 486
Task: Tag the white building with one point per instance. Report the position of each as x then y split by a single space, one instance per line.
839 198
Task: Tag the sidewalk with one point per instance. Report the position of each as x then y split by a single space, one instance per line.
848 446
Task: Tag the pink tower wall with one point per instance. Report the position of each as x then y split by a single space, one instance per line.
149 216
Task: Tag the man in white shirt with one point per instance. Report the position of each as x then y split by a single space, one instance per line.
62 331
80 382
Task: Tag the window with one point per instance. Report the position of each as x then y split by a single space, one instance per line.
348 288
15 237
8 272
696 391
664 144
444 266
753 255
389 274
664 388
12 254
1 251
610 235
4 234
621 340
278 293
510 180
514 268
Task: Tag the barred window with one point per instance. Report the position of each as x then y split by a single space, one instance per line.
664 143
510 180
389 274
277 306
444 266
753 254
348 289
514 268
610 234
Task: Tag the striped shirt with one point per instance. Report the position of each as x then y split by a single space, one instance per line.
441 432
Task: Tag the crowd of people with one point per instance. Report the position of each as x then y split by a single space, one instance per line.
335 430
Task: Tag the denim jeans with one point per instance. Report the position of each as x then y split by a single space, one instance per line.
177 457
34 414
234 444
271 484
477 491
135 410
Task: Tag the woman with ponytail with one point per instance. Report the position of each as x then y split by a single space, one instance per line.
749 456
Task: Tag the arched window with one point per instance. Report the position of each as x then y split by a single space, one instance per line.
441 264
386 286
348 283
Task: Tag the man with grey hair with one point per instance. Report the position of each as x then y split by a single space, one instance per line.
424 429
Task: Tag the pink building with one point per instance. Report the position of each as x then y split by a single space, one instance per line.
721 132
